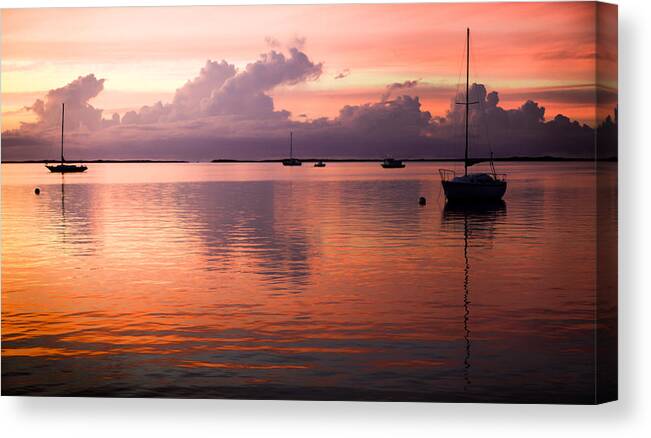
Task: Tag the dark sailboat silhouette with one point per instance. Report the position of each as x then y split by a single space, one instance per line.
474 186
62 167
392 163
291 161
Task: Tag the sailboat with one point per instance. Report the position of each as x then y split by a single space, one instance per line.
65 168
392 163
291 161
482 187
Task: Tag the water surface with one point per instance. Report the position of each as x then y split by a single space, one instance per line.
260 281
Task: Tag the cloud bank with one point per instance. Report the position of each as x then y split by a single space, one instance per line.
226 112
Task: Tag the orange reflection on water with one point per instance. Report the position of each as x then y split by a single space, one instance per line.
52 353
236 366
242 272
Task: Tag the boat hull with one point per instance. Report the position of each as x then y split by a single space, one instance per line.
462 192
393 166
292 162
65 168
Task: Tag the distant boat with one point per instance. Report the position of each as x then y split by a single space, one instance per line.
475 186
319 164
64 168
291 161
390 163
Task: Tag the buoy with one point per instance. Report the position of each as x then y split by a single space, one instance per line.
37 191
422 200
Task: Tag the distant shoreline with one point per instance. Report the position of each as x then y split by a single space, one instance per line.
415 160
91 161
328 160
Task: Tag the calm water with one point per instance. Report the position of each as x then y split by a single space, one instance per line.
255 280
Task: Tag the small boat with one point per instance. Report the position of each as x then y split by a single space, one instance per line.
319 164
390 163
66 168
291 161
475 187
62 167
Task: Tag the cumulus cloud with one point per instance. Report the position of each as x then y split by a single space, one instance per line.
189 101
220 89
193 96
79 113
244 93
519 131
398 118
225 112
398 86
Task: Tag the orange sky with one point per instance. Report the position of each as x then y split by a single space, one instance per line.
523 50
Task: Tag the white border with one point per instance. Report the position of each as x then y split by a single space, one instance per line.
631 416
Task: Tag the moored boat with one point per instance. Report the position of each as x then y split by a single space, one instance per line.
475 186
291 161
62 167
66 168
391 163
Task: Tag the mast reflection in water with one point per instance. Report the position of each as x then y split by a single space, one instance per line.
202 280
478 221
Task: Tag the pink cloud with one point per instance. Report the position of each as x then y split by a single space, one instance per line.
227 113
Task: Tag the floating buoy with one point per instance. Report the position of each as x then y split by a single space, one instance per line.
37 191
422 200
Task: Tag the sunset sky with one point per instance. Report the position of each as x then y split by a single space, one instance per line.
544 52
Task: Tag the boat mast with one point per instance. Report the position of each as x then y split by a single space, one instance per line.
467 102
291 151
63 115
465 161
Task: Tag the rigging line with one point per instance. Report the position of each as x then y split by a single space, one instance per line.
481 106
472 67
457 128
461 63
484 124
